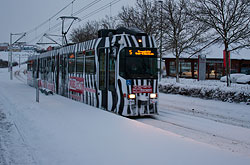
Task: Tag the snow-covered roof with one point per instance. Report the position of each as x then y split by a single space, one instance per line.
217 53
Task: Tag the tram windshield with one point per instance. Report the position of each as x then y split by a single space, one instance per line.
138 63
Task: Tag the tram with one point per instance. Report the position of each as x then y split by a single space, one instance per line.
117 72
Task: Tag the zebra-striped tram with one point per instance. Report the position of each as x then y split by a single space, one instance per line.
117 72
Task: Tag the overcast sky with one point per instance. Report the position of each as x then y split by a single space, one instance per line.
24 15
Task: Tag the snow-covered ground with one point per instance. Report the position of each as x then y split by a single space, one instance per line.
61 131
15 56
212 84
224 125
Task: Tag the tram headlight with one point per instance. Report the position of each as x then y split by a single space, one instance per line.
131 96
153 95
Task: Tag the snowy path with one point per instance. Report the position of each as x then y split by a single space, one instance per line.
60 131
224 125
13 148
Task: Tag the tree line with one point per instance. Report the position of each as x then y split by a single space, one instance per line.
182 26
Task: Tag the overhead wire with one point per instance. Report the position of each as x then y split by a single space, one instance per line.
97 10
58 24
53 28
48 20
86 7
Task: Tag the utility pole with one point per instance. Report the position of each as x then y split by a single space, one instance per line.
161 3
19 61
37 81
64 32
11 49
10 62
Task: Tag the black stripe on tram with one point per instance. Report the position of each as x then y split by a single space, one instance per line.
114 100
136 82
142 83
121 105
131 41
101 43
128 92
96 93
156 86
152 41
147 85
125 38
147 42
92 97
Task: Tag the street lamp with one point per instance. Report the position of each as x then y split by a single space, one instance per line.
161 3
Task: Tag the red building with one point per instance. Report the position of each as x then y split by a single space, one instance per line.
240 63
4 46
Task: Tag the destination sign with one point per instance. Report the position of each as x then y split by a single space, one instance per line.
141 53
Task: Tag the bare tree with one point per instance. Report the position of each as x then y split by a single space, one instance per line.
109 22
182 33
86 32
143 16
230 21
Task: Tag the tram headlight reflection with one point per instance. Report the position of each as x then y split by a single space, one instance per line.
131 96
153 95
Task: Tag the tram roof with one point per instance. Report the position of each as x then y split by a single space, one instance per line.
82 46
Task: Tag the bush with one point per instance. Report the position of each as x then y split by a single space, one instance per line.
206 92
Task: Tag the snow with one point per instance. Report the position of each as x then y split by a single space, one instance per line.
207 89
244 79
61 131
233 77
206 83
15 55
224 125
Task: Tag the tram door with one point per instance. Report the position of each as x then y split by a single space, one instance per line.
57 73
63 77
107 79
103 86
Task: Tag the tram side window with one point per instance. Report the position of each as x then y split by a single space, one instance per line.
90 62
79 64
34 68
71 63
112 74
52 67
49 69
43 69
102 69
122 66
53 64
46 71
30 65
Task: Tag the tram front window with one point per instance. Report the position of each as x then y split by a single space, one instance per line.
138 63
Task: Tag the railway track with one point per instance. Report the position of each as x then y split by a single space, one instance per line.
179 123
18 75
223 118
